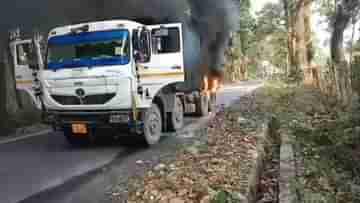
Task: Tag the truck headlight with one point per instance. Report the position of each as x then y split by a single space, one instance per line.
119 118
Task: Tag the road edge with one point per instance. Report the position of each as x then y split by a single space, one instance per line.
24 137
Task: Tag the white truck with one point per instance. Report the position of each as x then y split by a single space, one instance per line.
114 76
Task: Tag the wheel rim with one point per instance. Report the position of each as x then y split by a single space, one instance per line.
154 124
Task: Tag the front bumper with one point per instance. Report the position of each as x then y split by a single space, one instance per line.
95 120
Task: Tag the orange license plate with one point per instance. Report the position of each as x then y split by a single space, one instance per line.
79 128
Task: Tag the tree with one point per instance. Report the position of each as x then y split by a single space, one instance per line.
298 22
271 34
243 43
355 67
310 71
291 67
247 27
345 11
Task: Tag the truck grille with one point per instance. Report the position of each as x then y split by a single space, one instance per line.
88 100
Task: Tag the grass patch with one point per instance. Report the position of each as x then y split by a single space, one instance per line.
326 139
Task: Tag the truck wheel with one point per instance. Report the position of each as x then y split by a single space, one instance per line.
212 103
176 119
202 105
75 141
152 125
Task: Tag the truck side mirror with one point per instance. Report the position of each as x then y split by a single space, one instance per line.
35 54
142 45
146 39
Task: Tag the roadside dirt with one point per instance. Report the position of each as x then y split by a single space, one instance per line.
216 166
200 172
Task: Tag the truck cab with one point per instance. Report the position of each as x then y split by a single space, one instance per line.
113 75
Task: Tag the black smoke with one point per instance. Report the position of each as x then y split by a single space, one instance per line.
207 23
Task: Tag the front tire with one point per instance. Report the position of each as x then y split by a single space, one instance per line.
176 119
153 125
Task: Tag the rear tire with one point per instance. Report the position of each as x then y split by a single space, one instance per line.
153 125
176 118
202 105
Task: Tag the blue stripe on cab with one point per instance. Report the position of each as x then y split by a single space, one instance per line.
84 37
84 62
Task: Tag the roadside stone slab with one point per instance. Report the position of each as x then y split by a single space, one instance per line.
287 171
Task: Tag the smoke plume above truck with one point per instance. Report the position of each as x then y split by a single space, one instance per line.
207 23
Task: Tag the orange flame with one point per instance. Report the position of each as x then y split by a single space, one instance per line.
215 85
211 84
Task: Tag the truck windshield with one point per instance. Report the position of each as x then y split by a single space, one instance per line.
88 49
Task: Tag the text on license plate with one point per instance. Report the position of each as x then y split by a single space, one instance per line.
79 128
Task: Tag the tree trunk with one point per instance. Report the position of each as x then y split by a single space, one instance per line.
299 30
298 20
291 64
352 42
341 67
244 68
310 71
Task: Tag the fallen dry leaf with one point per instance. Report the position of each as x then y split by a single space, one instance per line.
195 174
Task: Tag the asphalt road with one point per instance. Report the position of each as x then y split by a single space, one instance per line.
46 169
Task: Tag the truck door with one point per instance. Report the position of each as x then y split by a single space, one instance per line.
167 50
23 74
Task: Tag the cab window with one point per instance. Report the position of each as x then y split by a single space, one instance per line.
166 44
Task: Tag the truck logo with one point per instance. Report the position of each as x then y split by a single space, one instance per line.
80 93
78 83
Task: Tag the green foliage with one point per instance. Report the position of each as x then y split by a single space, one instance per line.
271 35
261 38
225 197
243 44
247 27
271 19
326 143
253 71
326 8
221 197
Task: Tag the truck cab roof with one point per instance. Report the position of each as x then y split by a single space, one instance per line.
96 26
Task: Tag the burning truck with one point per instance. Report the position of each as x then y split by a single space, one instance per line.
129 65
